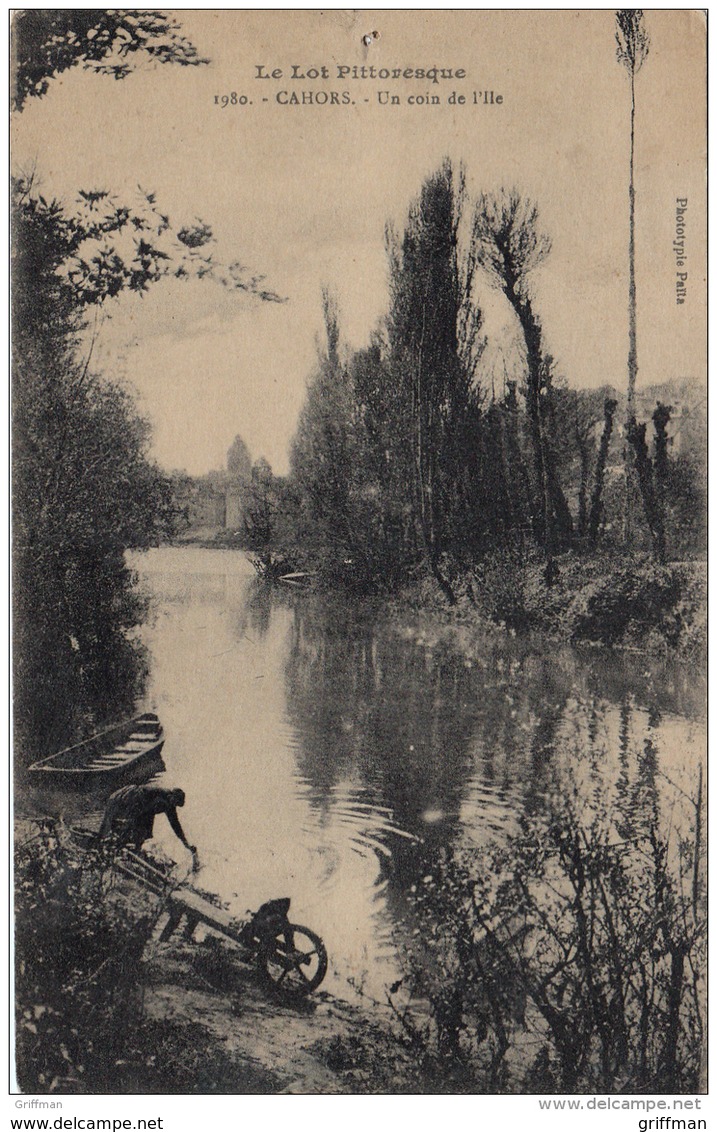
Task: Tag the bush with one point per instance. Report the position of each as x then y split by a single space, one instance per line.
78 944
633 599
598 599
501 590
578 967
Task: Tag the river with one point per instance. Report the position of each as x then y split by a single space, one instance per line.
328 750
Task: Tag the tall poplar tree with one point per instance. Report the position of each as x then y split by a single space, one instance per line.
322 462
633 44
434 342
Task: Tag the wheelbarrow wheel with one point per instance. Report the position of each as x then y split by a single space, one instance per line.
294 962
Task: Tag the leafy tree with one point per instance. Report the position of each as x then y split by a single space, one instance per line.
515 500
653 475
661 418
633 44
384 461
596 503
434 343
321 456
260 510
681 470
575 416
100 245
84 487
47 42
510 246
644 466
582 936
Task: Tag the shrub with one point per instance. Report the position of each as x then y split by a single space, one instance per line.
78 944
500 589
578 967
636 597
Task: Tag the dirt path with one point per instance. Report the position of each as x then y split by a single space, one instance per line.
319 1046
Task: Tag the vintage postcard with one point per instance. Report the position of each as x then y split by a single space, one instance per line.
359 477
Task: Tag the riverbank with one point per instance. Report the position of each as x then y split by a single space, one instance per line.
392 733
631 604
197 997
106 1005
614 600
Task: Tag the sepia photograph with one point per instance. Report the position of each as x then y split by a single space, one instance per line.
359 553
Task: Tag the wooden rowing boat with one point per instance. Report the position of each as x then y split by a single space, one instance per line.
127 752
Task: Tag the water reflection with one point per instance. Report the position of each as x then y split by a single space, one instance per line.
368 706
330 751
454 738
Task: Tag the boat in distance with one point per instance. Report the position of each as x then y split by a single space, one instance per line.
126 752
299 580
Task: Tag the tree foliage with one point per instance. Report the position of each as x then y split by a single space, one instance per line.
77 954
582 942
84 486
632 39
101 245
511 245
263 500
47 42
433 337
409 457
633 44
321 457
84 490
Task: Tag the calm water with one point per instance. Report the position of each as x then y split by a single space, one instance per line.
327 752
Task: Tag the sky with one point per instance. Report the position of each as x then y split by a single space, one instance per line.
302 194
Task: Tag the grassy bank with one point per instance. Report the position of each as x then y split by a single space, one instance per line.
626 602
